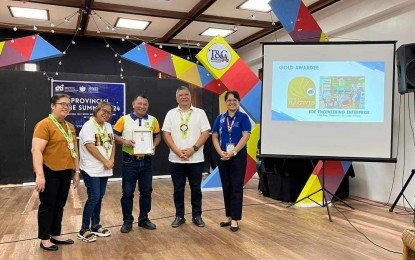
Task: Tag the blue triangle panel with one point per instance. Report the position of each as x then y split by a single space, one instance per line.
138 55
43 50
205 76
286 12
346 165
252 102
213 180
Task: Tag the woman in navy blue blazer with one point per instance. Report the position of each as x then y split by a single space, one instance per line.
230 133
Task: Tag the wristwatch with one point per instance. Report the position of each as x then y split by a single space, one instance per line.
195 148
234 153
78 171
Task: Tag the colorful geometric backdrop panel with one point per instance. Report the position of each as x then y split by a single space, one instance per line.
26 49
174 66
298 21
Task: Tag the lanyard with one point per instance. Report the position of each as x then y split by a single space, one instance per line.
104 136
184 123
230 125
67 135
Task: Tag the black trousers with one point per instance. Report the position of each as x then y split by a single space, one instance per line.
193 172
52 202
232 175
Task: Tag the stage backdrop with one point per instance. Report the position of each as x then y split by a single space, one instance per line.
25 98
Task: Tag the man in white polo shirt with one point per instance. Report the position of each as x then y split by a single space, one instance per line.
185 130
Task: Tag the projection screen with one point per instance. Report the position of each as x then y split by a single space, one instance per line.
332 99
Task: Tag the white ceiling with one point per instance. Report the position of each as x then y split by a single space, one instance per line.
172 21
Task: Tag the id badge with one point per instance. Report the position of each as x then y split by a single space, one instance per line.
230 147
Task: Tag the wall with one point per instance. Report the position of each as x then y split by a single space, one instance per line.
356 20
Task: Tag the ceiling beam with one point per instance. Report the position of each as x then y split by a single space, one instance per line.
66 3
40 29
83 19
99 6
196 11
257 35
319 5
234 21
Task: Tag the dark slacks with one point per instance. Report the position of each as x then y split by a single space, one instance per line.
193 172
52 202
232 174
136 170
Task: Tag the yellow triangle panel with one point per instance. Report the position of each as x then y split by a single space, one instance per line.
253 141
181 65
312 185
191 76
207 56
323 37
222 104
1 46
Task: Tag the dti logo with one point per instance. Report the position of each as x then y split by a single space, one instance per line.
219 56
93 90
59 87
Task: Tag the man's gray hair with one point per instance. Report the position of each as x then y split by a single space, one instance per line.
181 88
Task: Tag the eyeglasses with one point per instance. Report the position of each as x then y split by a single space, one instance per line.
104 111
232 100
63 104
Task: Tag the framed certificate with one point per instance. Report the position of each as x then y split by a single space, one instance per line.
143 142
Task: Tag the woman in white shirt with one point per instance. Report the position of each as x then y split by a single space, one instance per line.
97 151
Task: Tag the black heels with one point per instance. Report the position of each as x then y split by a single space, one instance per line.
49 248
234 229
62 242
225 224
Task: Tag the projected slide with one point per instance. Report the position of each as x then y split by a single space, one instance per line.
329 91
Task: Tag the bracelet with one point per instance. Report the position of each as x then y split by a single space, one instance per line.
78 171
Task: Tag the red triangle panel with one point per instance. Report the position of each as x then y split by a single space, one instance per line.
24 45
155 55
305 21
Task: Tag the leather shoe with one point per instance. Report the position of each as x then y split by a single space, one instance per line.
234 229
62 242
225 224
49 248
146 223
177 222
126 227
198 221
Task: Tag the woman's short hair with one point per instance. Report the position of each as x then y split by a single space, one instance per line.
56 97
101 105
234 93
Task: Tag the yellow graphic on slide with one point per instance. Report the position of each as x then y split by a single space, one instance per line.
301 93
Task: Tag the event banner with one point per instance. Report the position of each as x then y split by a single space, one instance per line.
86 95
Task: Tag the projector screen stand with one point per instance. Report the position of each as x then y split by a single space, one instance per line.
402 191
323 191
